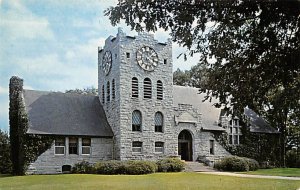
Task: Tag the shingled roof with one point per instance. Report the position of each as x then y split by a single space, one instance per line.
55 113
190 95
257 123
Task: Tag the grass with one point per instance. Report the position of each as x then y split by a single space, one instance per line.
290 172
153 181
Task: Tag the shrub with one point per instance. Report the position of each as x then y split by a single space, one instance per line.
110 167
136 167
253 164
133 167
83 167
232 163
5 162
292 159
170 165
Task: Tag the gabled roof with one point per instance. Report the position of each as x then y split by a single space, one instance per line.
190 95
257 123
55 113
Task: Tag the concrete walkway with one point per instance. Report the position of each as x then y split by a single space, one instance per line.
250 176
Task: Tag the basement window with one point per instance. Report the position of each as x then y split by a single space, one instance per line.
159 147
137 146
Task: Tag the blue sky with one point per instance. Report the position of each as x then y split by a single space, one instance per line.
52 44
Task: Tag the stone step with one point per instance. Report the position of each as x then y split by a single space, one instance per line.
197 167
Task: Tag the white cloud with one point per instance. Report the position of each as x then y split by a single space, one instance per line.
3 90
17 22
82 3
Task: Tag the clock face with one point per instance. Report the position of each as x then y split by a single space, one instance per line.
147 58
106 62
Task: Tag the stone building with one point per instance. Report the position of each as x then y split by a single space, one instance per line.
138 113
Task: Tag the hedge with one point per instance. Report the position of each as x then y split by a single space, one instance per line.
170 165
83 167
235 163
131 167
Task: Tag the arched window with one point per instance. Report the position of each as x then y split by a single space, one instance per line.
103 95
136 120
108 92
147 88
135 87
158 119
113 89
159 90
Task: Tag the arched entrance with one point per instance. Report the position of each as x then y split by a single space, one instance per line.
185 148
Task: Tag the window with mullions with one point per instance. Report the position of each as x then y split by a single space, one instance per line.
60 145
73 145
159 147
234 132
136 121
86 146
158 119
137 146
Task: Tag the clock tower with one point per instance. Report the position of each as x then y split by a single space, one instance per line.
135 84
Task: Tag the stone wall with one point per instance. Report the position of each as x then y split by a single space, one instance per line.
49 163
188 118
119 111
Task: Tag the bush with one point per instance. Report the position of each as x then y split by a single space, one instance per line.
253 164
232 163
136 167
83 167
110 167
5 162
292 159
170 165
133 167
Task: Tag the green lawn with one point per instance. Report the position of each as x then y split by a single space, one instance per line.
290 172
153 181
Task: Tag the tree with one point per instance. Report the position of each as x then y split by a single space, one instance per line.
89 90
24 148
5 162
255 45
181 78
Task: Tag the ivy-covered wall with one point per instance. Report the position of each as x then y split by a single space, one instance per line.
25 148
262 147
